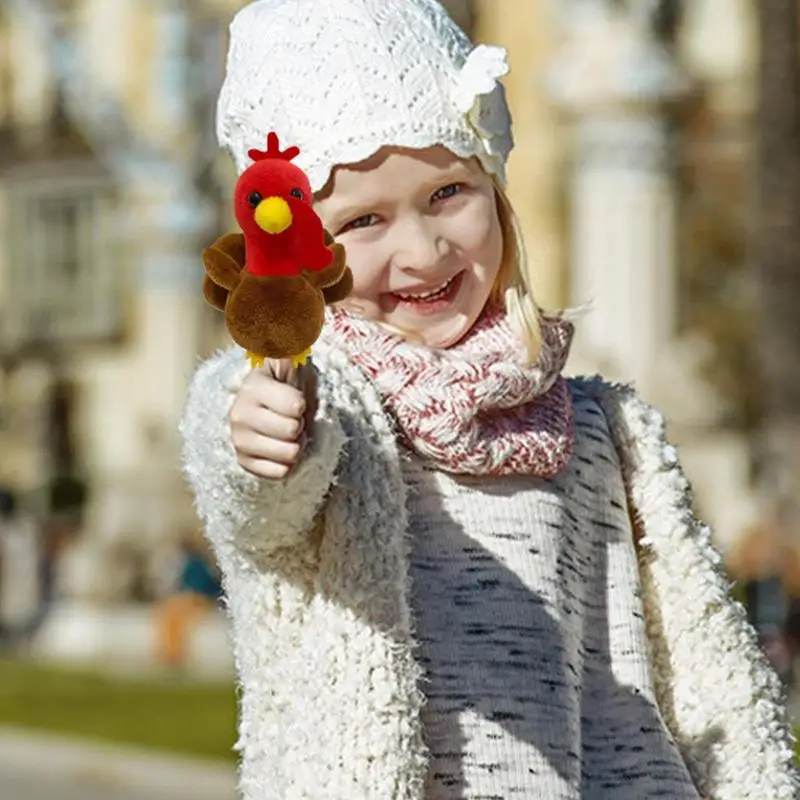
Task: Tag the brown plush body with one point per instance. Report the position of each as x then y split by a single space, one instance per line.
275 317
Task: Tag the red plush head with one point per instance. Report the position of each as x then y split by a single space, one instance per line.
274 207
271 191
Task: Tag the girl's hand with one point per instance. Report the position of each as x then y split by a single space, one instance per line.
271 418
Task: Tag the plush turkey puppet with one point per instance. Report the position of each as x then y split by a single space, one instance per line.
274 278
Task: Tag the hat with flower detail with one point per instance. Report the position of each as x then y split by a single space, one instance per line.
343 78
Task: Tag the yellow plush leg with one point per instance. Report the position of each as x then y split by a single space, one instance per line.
255 360
301 358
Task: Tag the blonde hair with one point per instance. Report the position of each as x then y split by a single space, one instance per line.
513 285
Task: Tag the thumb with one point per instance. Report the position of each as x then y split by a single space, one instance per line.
283 371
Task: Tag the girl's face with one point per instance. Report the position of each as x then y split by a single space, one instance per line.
423 240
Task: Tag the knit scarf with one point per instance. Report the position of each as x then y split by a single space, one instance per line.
474 408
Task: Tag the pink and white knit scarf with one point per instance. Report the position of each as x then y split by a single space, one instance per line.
474 408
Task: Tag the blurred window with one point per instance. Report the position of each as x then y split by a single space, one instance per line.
63 282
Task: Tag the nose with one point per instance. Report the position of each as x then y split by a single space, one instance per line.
418 247
273 215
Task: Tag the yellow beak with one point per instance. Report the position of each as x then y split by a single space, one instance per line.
273 215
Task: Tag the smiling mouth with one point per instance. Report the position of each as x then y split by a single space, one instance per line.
437 293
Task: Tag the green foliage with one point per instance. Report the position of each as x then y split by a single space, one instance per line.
185 717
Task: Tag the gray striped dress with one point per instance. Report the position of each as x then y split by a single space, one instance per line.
530 625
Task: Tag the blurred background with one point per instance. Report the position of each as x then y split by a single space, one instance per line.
657 179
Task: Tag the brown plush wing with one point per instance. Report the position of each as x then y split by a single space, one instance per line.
343 286
339 291
224 260
232 244
215 295
332 274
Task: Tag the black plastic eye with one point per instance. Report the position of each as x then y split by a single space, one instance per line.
254 198
298 193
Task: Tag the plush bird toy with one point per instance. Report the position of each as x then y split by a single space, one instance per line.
274 279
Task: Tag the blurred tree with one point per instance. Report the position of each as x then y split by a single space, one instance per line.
776 250
716 286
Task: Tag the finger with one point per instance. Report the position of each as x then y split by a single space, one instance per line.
267 422
253 445
284 371
263 468
281 398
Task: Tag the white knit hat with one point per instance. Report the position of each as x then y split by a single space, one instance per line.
342 78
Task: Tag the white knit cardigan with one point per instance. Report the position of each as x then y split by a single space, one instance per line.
316 579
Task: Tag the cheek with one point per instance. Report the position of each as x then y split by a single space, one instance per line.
477 234
368 269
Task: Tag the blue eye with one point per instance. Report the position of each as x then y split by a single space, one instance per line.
448 191
360 222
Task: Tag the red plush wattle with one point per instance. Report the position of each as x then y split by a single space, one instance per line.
298 249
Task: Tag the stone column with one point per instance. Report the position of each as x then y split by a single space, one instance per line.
168 220
614 80
163 220
528 30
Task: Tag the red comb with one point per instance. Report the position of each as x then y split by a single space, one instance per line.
274 150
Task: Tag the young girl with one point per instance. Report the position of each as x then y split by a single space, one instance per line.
451 573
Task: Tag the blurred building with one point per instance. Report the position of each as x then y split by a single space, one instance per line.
107 194
631 175
629 130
